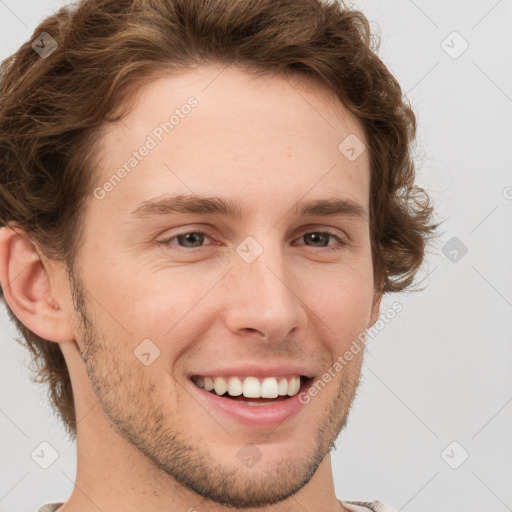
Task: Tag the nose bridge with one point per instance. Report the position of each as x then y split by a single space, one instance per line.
261 292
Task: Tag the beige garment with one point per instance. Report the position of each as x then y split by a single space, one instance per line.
353 506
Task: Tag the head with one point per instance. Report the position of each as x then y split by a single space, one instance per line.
107 145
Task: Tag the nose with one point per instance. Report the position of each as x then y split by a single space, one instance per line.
261 299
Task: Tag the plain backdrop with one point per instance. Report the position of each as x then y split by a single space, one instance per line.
431 427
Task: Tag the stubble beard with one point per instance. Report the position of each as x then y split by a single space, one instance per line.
126 399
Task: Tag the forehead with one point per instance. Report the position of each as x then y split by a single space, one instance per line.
222 127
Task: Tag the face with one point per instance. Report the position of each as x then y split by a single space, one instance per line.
251 289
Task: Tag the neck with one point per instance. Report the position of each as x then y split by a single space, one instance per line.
113 476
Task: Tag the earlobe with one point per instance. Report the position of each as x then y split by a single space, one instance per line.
26 285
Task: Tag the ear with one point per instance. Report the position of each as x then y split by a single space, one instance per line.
27 288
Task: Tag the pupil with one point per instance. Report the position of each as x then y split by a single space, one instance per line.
318 236
189 237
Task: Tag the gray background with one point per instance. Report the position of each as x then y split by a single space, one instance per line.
439 372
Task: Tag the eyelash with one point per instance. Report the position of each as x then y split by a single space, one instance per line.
339 239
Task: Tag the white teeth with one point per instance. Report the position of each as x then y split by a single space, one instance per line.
293 386
283 387
250 387
235 386
208 383
220 385
269 388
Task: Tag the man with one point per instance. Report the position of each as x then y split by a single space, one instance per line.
203 204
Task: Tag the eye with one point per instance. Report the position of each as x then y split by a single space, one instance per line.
196 239
322 238
191 239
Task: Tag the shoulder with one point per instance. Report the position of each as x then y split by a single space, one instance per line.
49 507
365 506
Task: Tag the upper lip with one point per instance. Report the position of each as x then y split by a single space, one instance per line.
257 370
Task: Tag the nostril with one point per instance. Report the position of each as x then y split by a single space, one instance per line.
252 329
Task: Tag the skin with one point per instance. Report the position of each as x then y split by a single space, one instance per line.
143 443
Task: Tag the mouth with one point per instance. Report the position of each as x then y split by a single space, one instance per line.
253 391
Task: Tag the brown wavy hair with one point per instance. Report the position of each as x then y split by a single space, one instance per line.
52 111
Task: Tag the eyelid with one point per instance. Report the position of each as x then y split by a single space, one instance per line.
336 232
342 238
189 229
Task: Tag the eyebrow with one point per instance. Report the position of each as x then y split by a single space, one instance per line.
193 204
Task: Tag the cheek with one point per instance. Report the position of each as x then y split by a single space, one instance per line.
158 301
166 307
343 302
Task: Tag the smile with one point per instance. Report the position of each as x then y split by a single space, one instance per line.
257 402
250 387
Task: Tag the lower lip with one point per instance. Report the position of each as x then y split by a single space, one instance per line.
259 416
